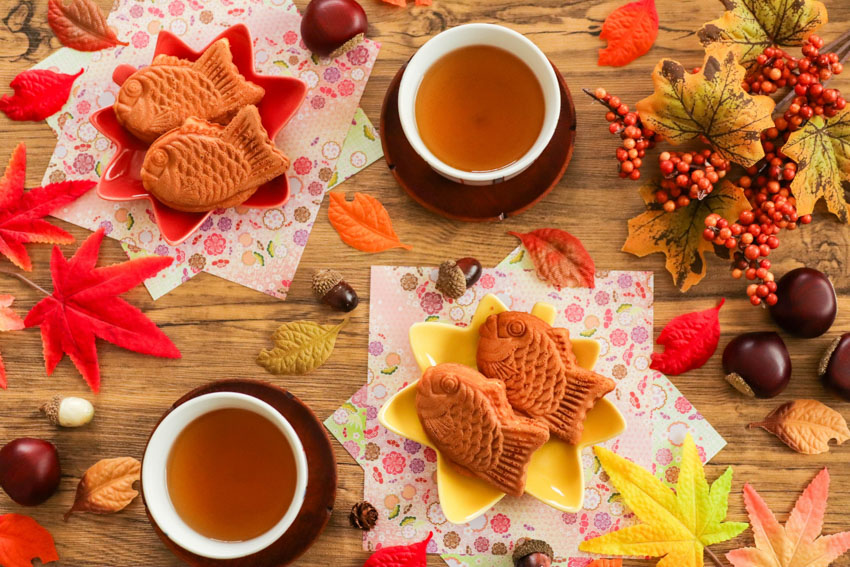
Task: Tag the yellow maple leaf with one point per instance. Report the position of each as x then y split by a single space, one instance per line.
678 235
821 149
752 25
710 103
676 526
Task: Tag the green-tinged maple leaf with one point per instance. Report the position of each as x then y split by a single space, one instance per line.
676 526
799 543
678 235
821 149
710 103
300 346
752 25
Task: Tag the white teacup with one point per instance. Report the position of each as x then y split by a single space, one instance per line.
464 36
155 483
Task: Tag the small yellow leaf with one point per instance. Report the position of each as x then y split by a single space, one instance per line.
806 426
107 486
300 346
711 104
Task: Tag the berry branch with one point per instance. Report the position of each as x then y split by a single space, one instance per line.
689 176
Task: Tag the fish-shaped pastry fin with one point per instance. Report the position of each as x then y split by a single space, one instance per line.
216 64
539 369
246 132
469 420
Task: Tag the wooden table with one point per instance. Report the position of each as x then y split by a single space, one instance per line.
208 317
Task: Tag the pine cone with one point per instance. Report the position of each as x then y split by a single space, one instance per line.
451 281
363 516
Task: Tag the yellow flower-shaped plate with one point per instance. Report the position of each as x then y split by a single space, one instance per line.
555 475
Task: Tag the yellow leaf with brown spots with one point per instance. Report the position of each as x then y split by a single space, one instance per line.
678 235
752 25
821 149
711 104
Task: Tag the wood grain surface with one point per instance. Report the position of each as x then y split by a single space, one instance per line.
220 326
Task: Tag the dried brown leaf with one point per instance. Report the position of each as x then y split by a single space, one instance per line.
107 486
806 426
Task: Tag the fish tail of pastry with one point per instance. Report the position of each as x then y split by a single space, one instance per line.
217 65
520 440
246 132
583 390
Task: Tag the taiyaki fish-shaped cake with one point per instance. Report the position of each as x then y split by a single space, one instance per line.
536 363
202 166
469 420
161 96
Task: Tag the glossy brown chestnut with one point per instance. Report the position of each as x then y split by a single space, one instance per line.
328 25
471 269
806 304
29 470
834 367
757 364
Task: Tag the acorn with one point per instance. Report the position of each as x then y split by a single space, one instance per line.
68 412
533 553
331 289
457 276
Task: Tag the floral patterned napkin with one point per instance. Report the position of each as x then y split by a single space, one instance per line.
399 474
328 140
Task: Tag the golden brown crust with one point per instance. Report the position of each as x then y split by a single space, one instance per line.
203 166
161 96
469 420
538 367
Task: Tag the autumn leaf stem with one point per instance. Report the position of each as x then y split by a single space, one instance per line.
26 280
716 560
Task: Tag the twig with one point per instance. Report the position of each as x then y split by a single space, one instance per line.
26 280
714 558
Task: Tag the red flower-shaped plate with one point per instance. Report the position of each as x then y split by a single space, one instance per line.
121 179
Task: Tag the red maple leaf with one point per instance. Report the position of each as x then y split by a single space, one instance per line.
9 321
22 539
21 211
85 305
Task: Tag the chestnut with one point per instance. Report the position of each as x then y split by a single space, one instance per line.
29 470
757 364
471 269
806 303
834 367
331 26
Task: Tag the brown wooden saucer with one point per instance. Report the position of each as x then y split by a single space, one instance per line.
321 482
472 203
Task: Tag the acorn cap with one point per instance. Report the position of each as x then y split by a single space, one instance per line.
51 410
451 281
324 281
530 546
